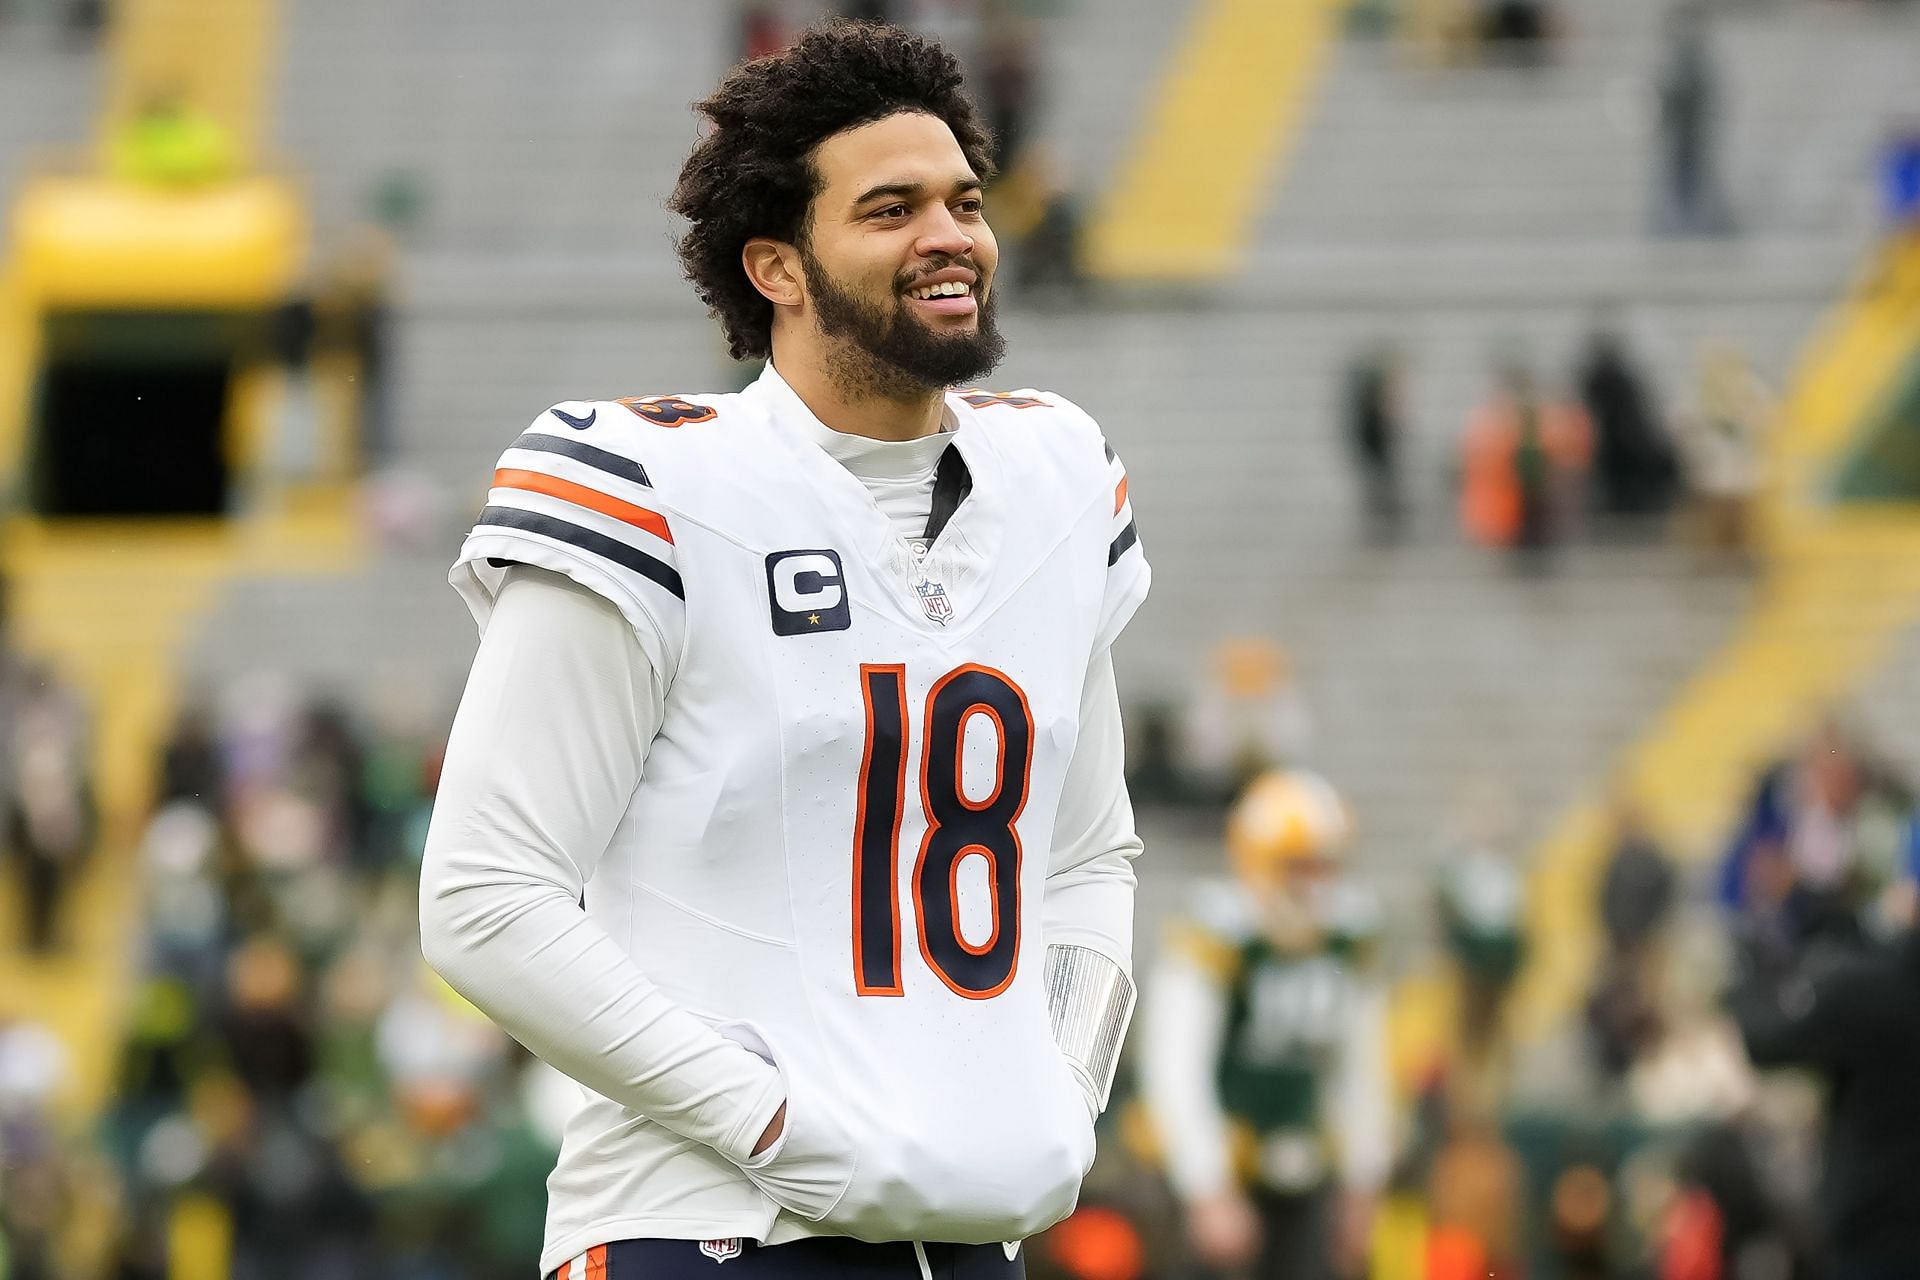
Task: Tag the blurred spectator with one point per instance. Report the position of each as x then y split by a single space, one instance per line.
329 768
1459 1160
1154 772
1516 31
50 821
1691 199
190 761
85 21
1479 907
1688 1069
1524 465
763 31
1045 216
340 331
1476 1204
268 1042
35 1188
1442 32
1826 835
1721 435
1635 467
1006 86
1579 1212
1900 168
1723 1224
1249 716
1855 1021
1636 895
1375 423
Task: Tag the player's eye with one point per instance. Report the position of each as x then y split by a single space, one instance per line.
892 213
972 206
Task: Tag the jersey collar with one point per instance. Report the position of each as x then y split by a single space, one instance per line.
787 406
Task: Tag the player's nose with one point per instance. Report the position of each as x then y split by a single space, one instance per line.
943 234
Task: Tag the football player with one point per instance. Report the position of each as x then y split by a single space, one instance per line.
1265 1058
784 807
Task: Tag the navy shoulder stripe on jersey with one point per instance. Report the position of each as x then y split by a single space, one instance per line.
599 459
587 540
1120 544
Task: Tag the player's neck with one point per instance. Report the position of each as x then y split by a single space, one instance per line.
853 408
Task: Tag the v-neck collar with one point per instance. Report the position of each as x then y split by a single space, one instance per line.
963 538
785 406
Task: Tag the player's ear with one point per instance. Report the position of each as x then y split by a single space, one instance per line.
774 269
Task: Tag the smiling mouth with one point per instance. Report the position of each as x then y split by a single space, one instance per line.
951 289
952 298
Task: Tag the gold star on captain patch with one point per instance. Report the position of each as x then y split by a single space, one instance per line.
813 619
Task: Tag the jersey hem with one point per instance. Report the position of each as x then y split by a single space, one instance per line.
613 1230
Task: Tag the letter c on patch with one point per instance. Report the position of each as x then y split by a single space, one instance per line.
807 592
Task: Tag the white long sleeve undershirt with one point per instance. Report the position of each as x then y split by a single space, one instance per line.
549 744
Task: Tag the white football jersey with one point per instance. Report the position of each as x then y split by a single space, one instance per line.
838 852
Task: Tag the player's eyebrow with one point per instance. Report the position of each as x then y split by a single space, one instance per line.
909 190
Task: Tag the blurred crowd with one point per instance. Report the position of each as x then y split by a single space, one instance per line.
295 1094
1729 1101
47 817
1543 463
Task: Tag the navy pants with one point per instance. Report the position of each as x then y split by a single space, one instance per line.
812 1259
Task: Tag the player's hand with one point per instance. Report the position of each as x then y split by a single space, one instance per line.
1353 1233
775 1127
1224 1231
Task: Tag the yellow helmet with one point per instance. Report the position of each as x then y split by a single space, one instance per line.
1285 815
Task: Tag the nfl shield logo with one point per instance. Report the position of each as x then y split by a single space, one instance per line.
933 598
722 1250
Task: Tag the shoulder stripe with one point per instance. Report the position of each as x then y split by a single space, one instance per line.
1110 453
1120 495
611 463
1120 544
587 540
581 496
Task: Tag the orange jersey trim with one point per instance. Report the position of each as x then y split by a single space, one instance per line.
581 496
1120 495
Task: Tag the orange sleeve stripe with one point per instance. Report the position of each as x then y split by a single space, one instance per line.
581 496
597 1263
1120 495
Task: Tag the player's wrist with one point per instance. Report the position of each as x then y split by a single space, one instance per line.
1090 998
771 1135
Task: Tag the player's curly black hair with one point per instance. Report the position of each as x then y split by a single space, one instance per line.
752 174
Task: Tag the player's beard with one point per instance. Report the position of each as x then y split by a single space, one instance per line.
892 353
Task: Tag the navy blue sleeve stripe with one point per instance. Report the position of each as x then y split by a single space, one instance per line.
1120 544
599 459
1110 453
587 540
